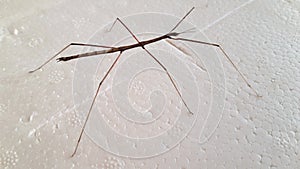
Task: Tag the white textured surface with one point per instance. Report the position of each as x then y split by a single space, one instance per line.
40 123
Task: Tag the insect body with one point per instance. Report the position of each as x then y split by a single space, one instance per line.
172 35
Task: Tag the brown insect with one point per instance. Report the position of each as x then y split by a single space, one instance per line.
171 35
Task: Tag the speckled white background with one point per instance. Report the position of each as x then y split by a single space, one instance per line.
39 126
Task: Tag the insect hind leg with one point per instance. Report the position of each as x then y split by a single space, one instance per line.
182 19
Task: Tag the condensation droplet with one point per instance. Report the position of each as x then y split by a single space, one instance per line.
138 87
31 116
28 119
56 76
94 166
3 108
177 130
34 42
16 31
79 22
31 132
74 119
3 33
8 158
272 80
38 140
112 163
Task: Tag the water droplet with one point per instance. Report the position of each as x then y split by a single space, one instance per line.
3 33
34 42
8 158
138 87
272 80
31 116
3 108
31 132
27 119
74 119
16 31
56 76
38 140
94 166
112 163
177 130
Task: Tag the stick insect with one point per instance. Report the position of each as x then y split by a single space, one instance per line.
171 35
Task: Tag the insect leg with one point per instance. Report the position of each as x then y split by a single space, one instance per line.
171 79
227 57
92 104
66 47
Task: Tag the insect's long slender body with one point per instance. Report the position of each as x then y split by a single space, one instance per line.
120 48
108 49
